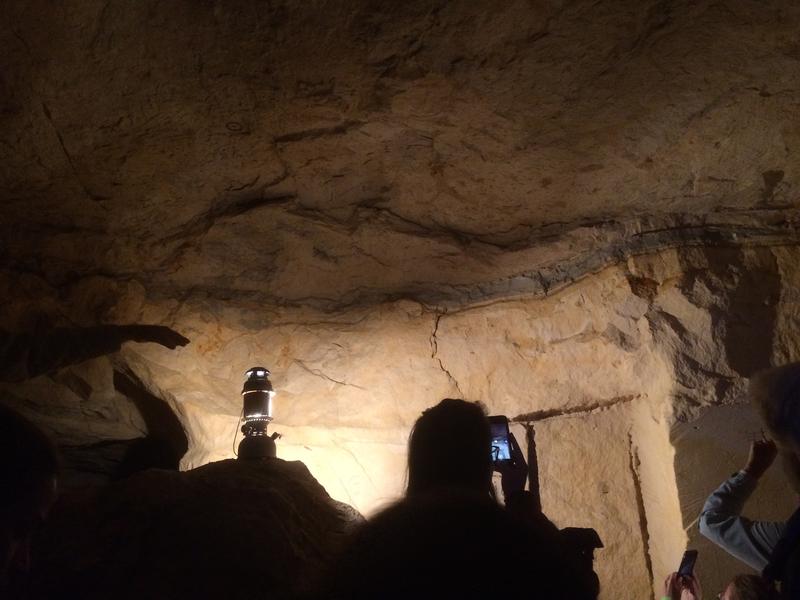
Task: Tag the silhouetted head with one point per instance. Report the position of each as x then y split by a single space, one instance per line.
776 395
449 447
749 587
28 470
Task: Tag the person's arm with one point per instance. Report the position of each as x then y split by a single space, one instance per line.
721 522
523 505
513 477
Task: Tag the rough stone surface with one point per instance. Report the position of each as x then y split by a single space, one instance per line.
265 528
372 149
584 214
596 450
79 405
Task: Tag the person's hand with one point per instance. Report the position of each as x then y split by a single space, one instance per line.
672 586
156 333
690 588
762 454
679 587
513 474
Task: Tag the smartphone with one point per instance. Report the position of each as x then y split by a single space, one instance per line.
501 448
687 563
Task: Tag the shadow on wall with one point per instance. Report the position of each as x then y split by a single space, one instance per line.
166 441
752 315
741 289
106 460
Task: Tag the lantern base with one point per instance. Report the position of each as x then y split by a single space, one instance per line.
258 446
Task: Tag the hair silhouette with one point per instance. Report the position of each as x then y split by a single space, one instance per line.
449 448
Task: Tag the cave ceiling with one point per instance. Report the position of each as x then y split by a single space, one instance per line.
332 153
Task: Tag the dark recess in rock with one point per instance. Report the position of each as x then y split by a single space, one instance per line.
166 441
742 295
92 464
771 181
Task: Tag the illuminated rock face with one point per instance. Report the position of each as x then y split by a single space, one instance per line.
582 214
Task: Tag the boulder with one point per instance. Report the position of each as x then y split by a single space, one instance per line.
229 529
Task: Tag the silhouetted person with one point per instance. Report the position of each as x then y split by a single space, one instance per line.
26 355
28 472
448 544
449 538
776 395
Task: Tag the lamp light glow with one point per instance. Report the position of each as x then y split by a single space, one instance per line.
257 395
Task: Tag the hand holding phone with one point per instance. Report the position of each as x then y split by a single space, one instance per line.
500 447
507 457
678 587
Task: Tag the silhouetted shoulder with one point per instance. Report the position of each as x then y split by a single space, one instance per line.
450 545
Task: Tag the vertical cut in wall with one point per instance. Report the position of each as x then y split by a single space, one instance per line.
635 464
585 474
653 468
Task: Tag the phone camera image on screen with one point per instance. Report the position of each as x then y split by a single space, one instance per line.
500 447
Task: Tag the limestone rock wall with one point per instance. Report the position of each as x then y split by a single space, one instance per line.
372 149
79 405
584 214
603 370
